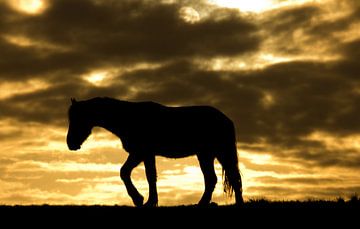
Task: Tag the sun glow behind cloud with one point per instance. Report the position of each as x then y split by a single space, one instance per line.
29 6
97 78
258 6
189 14
251 6
27 42
335 143
8 89
259 61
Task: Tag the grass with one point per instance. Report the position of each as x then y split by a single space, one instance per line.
339 203
252 205
253 212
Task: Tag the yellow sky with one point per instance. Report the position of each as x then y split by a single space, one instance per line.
37 167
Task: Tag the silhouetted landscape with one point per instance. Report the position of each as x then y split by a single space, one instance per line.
253 213
253 204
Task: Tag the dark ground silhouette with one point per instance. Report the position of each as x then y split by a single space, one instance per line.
287 214
147 129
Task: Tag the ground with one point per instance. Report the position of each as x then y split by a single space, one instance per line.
253 212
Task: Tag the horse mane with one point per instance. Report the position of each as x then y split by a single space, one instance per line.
98 104
105 101
96 101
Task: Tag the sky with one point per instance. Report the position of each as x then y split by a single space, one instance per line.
285 71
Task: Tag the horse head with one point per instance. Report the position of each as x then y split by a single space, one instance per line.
79 125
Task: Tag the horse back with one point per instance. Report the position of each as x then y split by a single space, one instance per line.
178 131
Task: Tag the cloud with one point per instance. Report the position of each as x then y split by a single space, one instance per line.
91 34
307 97
310 30
301 180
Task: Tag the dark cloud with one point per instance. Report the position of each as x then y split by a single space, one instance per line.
50 105
307 96
298 30
140 29
89 34
322 157
285 29
288 20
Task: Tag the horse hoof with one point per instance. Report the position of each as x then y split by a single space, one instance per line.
139 201
150 204
239 202
211 204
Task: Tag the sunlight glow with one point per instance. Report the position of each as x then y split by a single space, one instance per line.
273 59
29 6
258 6
237 64
352 34
101 77
333 142
75 166
189 14
19 40
28 42
268 100
96 78
259 61
256 158
260 159
250 6
8 89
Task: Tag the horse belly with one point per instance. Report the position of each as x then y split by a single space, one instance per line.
179 149
163 147
175 153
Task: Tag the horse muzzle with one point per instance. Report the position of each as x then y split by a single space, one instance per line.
74 147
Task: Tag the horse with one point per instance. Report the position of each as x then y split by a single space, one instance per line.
149 129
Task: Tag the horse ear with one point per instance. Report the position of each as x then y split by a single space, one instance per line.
73 101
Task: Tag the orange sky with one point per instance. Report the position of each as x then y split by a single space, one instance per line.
285 71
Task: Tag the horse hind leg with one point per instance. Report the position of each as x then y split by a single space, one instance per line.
150 170
210 179
237 185
232 182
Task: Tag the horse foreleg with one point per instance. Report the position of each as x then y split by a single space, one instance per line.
207 168
125 173
150 170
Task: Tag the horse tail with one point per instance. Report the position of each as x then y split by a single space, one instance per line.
228 158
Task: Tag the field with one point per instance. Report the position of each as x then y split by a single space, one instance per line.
253 211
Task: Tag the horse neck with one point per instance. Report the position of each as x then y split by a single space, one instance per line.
111 116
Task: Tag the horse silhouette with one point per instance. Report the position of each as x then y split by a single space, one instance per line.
148 129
